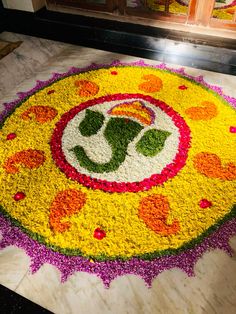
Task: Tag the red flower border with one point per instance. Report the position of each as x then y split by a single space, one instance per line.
168 172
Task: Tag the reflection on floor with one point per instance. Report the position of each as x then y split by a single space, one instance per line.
6 47
211 291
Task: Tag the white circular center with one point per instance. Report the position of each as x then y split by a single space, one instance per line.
136 167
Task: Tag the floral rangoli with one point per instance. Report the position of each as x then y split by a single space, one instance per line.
224 9
118 169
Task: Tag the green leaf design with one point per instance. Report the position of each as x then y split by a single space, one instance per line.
92 123
119 132
152 142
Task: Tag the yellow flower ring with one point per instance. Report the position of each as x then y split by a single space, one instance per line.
118 169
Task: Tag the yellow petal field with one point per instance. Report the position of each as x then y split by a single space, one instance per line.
117 213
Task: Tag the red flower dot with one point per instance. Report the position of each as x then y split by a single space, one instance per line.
232 129
19 196
114 72
204 203
51 91
11 136
99 234
183 87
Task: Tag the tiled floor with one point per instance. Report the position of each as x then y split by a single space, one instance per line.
212 290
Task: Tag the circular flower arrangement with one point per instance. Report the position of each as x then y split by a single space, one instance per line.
224 9
118 169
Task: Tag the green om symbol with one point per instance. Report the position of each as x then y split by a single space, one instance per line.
119 132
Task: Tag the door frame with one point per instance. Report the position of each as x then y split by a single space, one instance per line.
199 12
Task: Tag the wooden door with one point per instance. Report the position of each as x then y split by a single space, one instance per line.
219 14
209 13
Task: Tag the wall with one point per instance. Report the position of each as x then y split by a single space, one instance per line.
25 5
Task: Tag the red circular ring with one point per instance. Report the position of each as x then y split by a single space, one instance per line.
168 172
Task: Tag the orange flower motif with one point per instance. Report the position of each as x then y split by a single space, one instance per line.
43 114
134 109
211 166
231 10
30 158
153 84
154 210
134 115
87 88
65 204
207 112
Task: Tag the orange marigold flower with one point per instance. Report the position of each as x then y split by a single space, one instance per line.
87 88
30 158
206 112
65 204
153 84
154 211
43 114
211 166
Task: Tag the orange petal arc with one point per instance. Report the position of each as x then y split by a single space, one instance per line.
65 204
43 114
211 166
133 109
87 88
30 159
132 114
152 85
230 10
154 211
206 111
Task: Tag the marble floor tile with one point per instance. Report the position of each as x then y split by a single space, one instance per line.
211 291
22 63
13 266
